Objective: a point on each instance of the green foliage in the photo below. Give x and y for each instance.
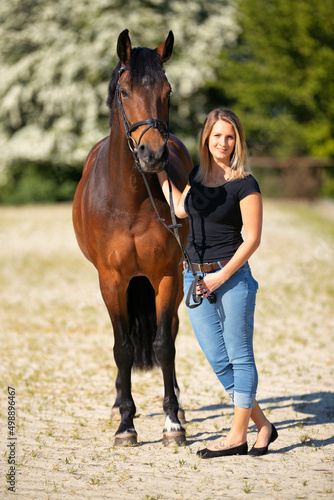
(327, 189)
(31, 183)
(279, 77)
(295, 182)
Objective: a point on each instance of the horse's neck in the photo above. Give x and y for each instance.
(125, 180)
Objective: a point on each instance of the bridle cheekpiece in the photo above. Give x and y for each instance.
(156, 123)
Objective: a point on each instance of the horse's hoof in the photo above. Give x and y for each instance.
(126, 439)
(115, 414)
(174, 438)
(181, 416)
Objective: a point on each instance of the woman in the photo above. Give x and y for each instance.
(220, 198)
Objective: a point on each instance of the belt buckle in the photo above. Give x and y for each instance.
(201, 268)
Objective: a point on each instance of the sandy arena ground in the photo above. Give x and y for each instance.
(56, 351)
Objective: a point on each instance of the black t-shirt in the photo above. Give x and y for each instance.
(215, 218)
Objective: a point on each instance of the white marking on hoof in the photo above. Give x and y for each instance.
(171, 426)
(130, 430)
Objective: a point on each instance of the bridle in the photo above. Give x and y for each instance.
(173, 228)
(156, 123)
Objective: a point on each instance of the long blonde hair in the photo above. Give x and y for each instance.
(239, 156)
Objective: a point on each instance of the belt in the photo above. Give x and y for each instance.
(208, 267)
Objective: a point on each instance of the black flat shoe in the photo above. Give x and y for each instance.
(237, 450)
(258, 452)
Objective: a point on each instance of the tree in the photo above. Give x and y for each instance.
(278, 76)
(56, 60)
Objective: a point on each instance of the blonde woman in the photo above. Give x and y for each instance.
(221, 198)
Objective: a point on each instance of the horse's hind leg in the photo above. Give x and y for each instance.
(115, 412)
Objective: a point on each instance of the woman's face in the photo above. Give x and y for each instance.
(221, 142)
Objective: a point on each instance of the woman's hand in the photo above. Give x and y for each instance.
(209, 284)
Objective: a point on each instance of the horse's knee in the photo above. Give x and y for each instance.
(164, 350)
(124, 354)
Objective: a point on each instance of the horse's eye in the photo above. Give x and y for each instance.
(124, 93)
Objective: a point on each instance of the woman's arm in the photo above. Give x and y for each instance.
(251, 212)
(178, 196)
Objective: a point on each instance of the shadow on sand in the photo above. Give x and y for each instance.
(311, 410)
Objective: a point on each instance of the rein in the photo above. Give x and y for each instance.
(173, 228)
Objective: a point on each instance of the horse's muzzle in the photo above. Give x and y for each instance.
(152, 161)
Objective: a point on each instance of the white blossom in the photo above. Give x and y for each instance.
(57, 57)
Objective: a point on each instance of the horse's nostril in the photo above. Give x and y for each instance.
(144, 153)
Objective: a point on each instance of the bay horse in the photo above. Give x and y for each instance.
(139, 262)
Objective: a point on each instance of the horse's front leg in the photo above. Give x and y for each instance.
(114, 296)
(175, 327)
(164, 349)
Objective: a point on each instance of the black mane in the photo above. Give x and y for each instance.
(144, 64)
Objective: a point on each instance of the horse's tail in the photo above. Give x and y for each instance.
(142, 321)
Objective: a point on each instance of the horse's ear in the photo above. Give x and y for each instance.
(166, 48)
(124, 46)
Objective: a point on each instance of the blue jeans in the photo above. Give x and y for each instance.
(224, 331)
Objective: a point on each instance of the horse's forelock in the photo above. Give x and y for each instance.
(146, 66)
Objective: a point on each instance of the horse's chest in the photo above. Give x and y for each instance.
(137, 240)
(152, 243)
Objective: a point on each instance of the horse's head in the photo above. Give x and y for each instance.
(141, 96)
